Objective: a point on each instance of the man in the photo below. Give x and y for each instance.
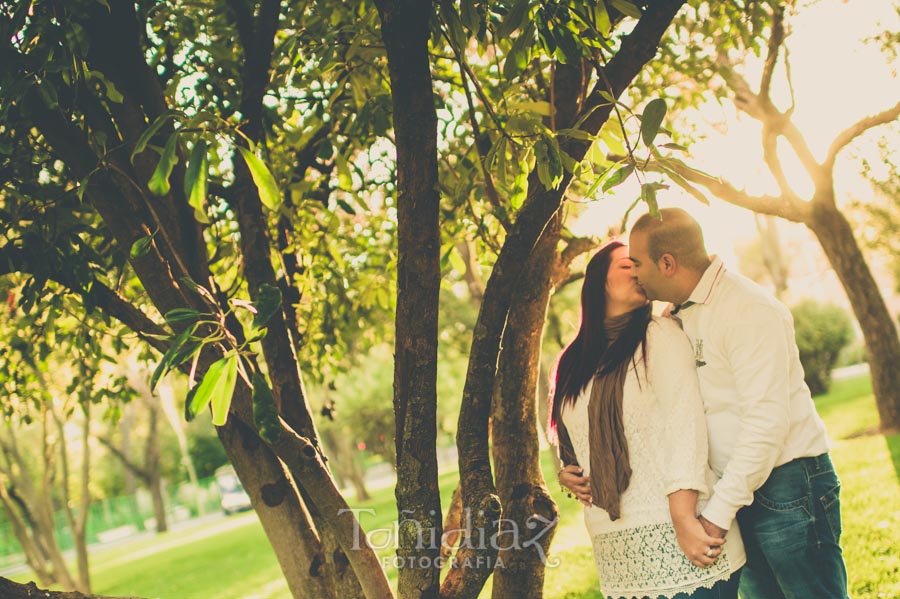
(767, 443)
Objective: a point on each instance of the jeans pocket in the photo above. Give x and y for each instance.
(787, 489)
(830, 503)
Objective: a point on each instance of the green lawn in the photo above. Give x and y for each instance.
(202, 563)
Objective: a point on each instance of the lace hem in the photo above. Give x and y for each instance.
(647, 561)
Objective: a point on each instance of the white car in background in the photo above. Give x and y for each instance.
(234, 497)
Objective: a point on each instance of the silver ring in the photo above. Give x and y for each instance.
(709, 552)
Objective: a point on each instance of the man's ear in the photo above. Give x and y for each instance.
(667, 264)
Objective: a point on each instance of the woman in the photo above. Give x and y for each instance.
(629, 420)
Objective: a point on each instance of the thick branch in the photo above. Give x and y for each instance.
(574, 248)
(776, 39)
(257, 63)
(770, 155)
(856, 129)
(14, 590)
(794, 210)
(14, 259)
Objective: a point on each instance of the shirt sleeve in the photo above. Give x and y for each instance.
(757, 349)
(673, 378)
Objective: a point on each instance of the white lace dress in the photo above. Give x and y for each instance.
(638, 555)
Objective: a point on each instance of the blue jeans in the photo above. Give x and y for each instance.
(792, 534)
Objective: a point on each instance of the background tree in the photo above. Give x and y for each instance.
(41, 413)
(716, 61)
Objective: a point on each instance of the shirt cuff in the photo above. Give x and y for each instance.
(719, 513)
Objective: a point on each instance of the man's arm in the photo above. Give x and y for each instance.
(758, 351)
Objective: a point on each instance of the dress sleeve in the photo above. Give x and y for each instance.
(673, 379)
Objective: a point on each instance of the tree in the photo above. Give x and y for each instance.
(34, 485)
(764, 27)
(196, 173)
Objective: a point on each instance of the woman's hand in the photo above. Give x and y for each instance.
(571, 478)
(700, 548)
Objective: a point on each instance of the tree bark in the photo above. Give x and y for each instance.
(152, 466)
(836, 237)
(405, 30)
(529, 513)
(284, 518)
(14, 590)
(479, 493)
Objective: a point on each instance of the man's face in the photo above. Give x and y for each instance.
(646, 271)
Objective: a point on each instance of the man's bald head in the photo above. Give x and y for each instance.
(677, 234)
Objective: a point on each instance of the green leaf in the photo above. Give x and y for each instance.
(601, 18)
(180, 315)
(513, 19)
(48, 94)
(346, 207)
(168, 358)
(217, 387)
(269, 194)
(517, 57)
(618, 177)
(576, 134)
(268, 301)
(674, 146)
(195, 180)
(454, 26)
(648, 195)
(652, 119)
(265, 412)
(159, 182)
(198, 289)
(626, 8)
(147, 135)
(140, 247)
(542, 108)
(224, 391)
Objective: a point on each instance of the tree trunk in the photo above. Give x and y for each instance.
(479, 494)
(772, 255)
(405, 30)
(34, 556)
(530, 514)
(44, 520)
(152, 466)
(837, 239)
(285, 520)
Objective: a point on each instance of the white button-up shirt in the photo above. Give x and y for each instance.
(759, 412)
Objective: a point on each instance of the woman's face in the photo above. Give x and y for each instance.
(623, 294)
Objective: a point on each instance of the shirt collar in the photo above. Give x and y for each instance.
(711, 277)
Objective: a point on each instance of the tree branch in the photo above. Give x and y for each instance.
(14, 590)
(141, 473)
(856, 129)
(770, 155)
(794, 210)
(13, 259)
(776, 39)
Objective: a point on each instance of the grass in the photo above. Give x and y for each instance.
(206, 562)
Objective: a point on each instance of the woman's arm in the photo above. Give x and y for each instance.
(702, 549)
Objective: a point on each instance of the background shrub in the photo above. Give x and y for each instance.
(822, 330)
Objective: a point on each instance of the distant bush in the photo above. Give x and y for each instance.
(822, 331)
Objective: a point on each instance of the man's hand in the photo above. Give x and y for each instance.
(711, 529)
(701, 548)
(571, 478)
